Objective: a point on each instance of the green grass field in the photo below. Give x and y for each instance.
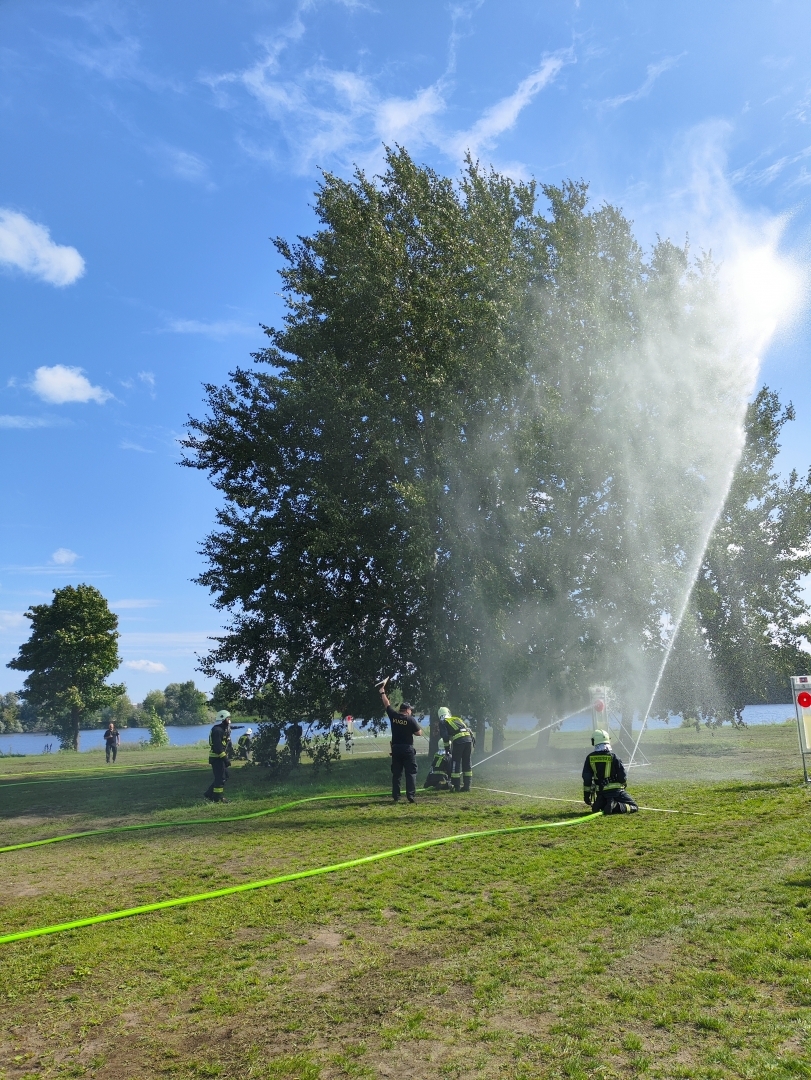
(657, 945)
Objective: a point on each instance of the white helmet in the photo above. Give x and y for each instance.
(248, 731)
(223, 714)
(444, 713)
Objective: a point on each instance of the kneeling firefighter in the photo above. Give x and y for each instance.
(245, 745)
(460, 740)
(604, 779)
(220, 753)
(440, 773)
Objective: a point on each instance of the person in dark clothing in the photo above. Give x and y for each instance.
(294, 736)
(604, 779)
(439, 775)
(403, 755)
(112, 741)
(244, 745)
(220, 752)
(460, 740)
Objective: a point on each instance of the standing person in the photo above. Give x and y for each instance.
(403, 755)
(219, 742)
(604, 779)
(460, 740)
(112, 741)
(293, 737)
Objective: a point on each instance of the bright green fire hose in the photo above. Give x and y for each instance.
(180, 901)
(191, 821)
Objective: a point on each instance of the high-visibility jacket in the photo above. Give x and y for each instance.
(454, 729)
(219, 741)
(603, 771)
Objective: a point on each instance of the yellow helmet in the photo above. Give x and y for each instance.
(444, 713)
(599, 736)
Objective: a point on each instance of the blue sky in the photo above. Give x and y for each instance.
(149, 151)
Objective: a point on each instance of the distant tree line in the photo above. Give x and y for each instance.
(179, 704)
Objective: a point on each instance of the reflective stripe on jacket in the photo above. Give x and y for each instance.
(603, 771)
(453, 728)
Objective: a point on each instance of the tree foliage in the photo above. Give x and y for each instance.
(743, 635)
(72, 650)
(476, 454)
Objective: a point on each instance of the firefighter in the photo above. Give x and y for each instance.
(220, 752)
(403, 755)
(604, 779)
(460, 740)
(439, 775)
(244, 744)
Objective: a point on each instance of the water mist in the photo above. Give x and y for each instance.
(609, 470)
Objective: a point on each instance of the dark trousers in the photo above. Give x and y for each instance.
(111, 748)
(614, 802)
(403, 757)
(216, 790)
(462, 769)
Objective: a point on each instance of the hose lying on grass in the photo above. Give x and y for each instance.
(192, 821)
(232, 890)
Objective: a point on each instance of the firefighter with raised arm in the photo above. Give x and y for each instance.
(604, 778)
(403, 754)
(220, 752)
(460, 740)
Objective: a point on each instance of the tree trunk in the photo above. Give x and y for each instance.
(498, 735)
(75, 716)
(433, 735)
(542, 745)
(481, 731)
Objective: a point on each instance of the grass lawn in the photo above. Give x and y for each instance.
(656, 945)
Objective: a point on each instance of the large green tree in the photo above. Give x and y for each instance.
(747, 627)
(72, 650)
(482, 451)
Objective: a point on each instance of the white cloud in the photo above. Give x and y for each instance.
(127, 445)
(27, 246)
(149, 666)
(147, 378)
(12, 620)
(60, 384)
(186, 165)
(64, 557)
(216, 329)
(503, 115)
(652, 74)
(24, 422)
(403, 120)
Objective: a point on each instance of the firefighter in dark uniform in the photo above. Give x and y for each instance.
(220, 753)
(604, 779)
(245, 745)
(403, 755)
(459, 739)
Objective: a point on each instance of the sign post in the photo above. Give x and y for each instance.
(801, 695)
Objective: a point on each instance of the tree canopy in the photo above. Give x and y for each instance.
(72, 650)
(483, 451)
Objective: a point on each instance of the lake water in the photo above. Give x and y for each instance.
(30, 743)
(27, 743)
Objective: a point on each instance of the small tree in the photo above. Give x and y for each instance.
(73, 648)
(157, 731)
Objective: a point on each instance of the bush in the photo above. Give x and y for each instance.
(322, 750)
(157, 731)
(266, 752)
